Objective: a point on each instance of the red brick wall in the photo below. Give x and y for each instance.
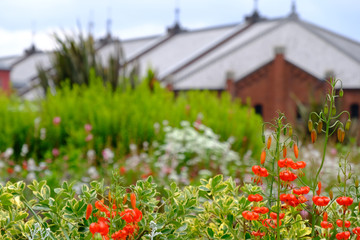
(275, 85)
(5, 81)
(351, 96)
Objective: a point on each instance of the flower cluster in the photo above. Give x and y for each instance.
(102, 226)
(259, 172)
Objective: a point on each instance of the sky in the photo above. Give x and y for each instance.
(23, 22)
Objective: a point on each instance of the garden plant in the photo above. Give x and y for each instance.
(283, 199)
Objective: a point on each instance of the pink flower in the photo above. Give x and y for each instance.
(89, 137)
(88, 127)
(56, 121)
(55, 152)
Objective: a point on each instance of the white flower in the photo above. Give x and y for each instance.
(24, 150)
(42, 133)
(8, 152)
(17, 168)
(91, 154)
(31, 176)
(93, 173)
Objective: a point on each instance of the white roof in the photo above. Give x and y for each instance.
(179, 47)
(9, 61)
(26, 69)
(255, 47)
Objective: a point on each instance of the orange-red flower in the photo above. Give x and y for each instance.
(248, 215)
(345, 201)
(255, 198)
(261, 210)
(321, 201)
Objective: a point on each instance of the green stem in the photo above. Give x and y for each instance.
(314, 216)
(277, 157)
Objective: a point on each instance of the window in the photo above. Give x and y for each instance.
(258, 109)
(354, 110)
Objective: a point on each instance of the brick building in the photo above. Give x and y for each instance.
(273, 62)
(4, 79)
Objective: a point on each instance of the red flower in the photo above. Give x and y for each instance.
(340, 223)
(270, 223)
(273, 215)
(287, 176)
(261, 210)
(88, 211)
(343, 235)
(345, 201)
(258, 234)
(356, 231)
(100, 227)
(250, 215)
(131, 215)
(101, 206)
(259, 172)
(326, 225)
(119, 235)
(255, 198)
(290, 199)
(287, 162)
(301, 191)
(321, 201)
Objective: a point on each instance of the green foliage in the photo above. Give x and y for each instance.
(118, 119)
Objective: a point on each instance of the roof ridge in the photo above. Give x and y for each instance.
(282, 21)
(333, 33)
(307, 26)
(207, 50)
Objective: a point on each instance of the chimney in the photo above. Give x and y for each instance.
(230, 83)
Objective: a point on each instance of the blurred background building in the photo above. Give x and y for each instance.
(272, 64)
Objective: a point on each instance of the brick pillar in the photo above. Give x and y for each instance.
(5, 80)
(230, 83)
(277, 93)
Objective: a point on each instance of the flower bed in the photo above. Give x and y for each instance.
(281, 202)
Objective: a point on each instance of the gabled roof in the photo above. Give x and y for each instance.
(312, 48)
(176, 48)
(25, 70)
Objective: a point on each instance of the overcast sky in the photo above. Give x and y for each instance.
(134, 18)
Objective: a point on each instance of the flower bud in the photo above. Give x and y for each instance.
(285, 130)
(263, 157)
(313, 136)
(109, 196)
(347, 125)
(326, 109)
(269, 142)
(338, 178)
(350, 174)
(319, 126)
(331, 194)
(284, 151)
(263, 138)
(333, 110)
(341, 93)
(296, 150)
(357, 183)
(290, 131)
(310, 125)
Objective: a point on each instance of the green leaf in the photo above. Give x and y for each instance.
(182, 228)
(210, 232)
(5, 199)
